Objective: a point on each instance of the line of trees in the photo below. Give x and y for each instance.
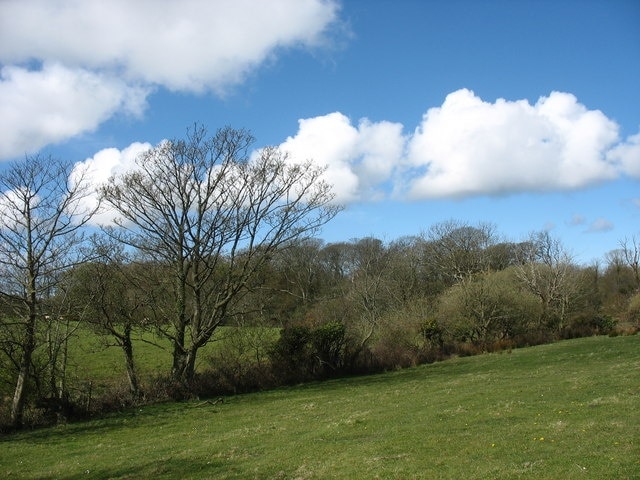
(205, 236)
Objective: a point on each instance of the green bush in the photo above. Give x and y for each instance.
(304, 353)
(329, 343)
(292, 355)
(588, 325)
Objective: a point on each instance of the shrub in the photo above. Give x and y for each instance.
(432, 332)
(329, 342)
(398, 345)
(303, 353)
(633, 310)
(292, 355)
(588, 325)
(240, 363)
(165, 387)
(533, 338)
(624, 330)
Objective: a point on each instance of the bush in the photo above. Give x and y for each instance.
(329, 342)
(624, 330)
(240, 363)
(163, 388)
(226, 379)
(292, 355)
(633, 310)
(432, 332)
(303, 353)
(586, 326)
(398, 345)
(533, 338)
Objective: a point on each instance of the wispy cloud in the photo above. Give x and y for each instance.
(600, 225)
(577, 220)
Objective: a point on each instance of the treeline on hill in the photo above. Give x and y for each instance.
(210, 241)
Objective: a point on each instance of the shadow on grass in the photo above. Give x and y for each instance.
(156, 469)
(131, 417)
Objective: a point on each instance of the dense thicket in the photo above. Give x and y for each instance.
(293, 307)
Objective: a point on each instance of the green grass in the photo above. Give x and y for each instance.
(91, 359)
(569, 410)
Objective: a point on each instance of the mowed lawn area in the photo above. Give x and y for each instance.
(569, 410)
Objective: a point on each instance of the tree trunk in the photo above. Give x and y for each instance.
(19, 395)
(132, 376)
(179, 351)
(184, 365)
(191, 365)
(179, 360)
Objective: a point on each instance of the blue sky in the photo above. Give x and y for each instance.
(521, 113)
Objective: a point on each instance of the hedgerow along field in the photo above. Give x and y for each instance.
(567, 410)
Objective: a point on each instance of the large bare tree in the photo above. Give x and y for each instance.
(456, 250)
(203, 208)
(547, 270)
(42, 212)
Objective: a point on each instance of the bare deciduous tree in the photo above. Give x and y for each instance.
(299, 264)
(370, 287)
(42, 211)
(546, 268)
(630, 251)
(456, 250)
(203, 207)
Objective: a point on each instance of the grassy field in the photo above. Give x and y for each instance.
(91, 360)
(569, 410)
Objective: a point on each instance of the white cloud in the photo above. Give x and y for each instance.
(627, 155)
(600, 224)
(60, 59)
(358, 159)
(50, 105)
(469, 146)
(13, 203)
(100, 168)
(187, 45)
(465, 147)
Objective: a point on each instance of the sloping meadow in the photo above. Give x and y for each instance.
(566, 410)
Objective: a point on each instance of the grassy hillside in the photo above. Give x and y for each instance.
(569, 410)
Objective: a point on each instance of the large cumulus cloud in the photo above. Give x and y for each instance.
(468, 146)
(191, 45)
